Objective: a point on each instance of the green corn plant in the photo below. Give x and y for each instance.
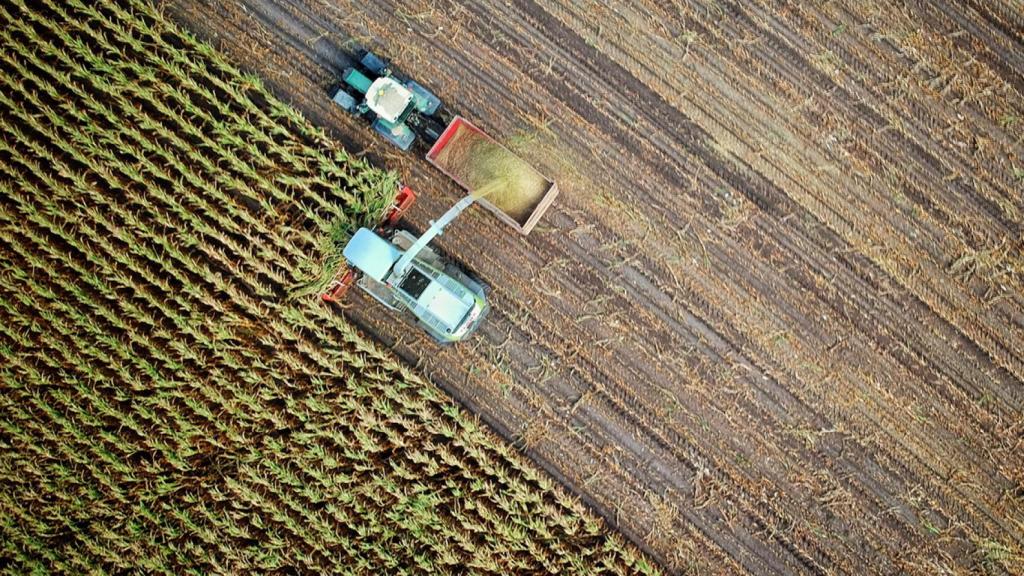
(186, 321)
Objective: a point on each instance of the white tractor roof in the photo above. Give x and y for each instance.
(387, 98)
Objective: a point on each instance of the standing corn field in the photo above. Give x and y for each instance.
(775, 324)
(167, 404)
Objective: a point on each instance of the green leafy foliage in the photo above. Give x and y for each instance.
(167, 405)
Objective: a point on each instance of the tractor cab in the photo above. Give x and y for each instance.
(389, 100)
(400, 109)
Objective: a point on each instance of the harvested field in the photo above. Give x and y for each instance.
(166, 404)
(774, 323)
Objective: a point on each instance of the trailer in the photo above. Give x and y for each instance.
(516, 192)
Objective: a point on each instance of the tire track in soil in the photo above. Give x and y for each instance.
(602, 430)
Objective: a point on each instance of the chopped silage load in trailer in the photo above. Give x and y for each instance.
(499, 179)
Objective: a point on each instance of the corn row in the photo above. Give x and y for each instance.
(167, 406)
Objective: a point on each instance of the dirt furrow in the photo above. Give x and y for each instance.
(742, 326)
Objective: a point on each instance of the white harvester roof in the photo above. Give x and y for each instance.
(371, 254)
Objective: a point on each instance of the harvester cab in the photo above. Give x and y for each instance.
(402, 272)
(399, 109)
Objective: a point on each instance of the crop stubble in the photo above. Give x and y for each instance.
(774, 322)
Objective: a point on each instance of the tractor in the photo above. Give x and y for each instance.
(398, 108)
(394, 266)
(403, 273)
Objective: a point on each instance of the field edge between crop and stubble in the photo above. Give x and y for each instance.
(169, 404)
(743, 181)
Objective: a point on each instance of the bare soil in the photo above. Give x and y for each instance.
(774, 323)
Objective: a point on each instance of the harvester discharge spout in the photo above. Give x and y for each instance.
(436, 228)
